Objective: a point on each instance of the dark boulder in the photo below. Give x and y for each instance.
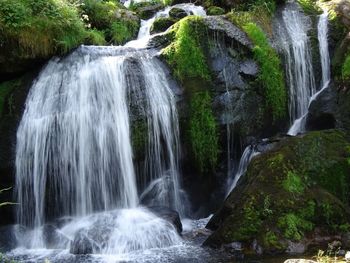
(8, 238)
(161, 24)
(169, 215)
(177, 13)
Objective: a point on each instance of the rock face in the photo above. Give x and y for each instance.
(81, 244)
(293, 197)
(331, 109)
(12, 110)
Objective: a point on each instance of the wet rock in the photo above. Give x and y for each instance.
(177, 13)
(8, 238)
(296, 247)
(53, 238)
(81, 244)
(147, 9)
(331, 109)
(169, 215)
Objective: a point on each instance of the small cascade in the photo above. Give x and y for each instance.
(248, 154)
(296, 47)
(298, 60)
(145, 29)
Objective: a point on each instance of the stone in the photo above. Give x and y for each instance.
(169, 215)
(177, 13)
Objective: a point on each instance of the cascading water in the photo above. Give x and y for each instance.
(298, 60)
(248, 154)
(300, 76)
(74, 156)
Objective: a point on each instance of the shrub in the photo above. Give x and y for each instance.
(122, 31)
(310, 7)
(42, 28)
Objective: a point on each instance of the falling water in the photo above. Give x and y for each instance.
(248, 153)
(296, 46)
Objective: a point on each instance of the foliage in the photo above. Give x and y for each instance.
(293, 226)
(41, 28)
(293, 183)
(346, 68)
(215, 11)
(259, 12)
(185, 54)
(122, 31)
(310, 7)
(118, 24)
(271, 74)
(203, 132)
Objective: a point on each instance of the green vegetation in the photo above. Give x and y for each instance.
(310, 7)
(5, 90)
(293, 227)
(293, 183)
(215, 11)
(41, 28)
(109, 17)
(346, 68)
(185, 54)
(203, 132)
(271, 74)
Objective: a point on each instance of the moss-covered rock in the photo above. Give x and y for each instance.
(161, 24)
(146, 10)
(177, 13)
(215, 11)
(295, 192)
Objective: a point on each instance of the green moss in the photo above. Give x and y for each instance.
(271, 73)
(215, 11)
(293, 183)
(310, 7)
(271, 241)
(139, 137)
(5, 89)
(293, 227)
(203, 132)
(185, 54)
(346, 68)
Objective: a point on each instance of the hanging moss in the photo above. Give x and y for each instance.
(185, 54)
(271, 73)
(310, 7)
(203, 132)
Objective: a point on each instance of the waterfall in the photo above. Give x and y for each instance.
(74, 153)
(298, 60)
(248, 154)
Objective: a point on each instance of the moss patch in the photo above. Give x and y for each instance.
(185, 54)
(271, 73)
(346, 68)
(215, 11)
(203, 132)
(310, 7)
